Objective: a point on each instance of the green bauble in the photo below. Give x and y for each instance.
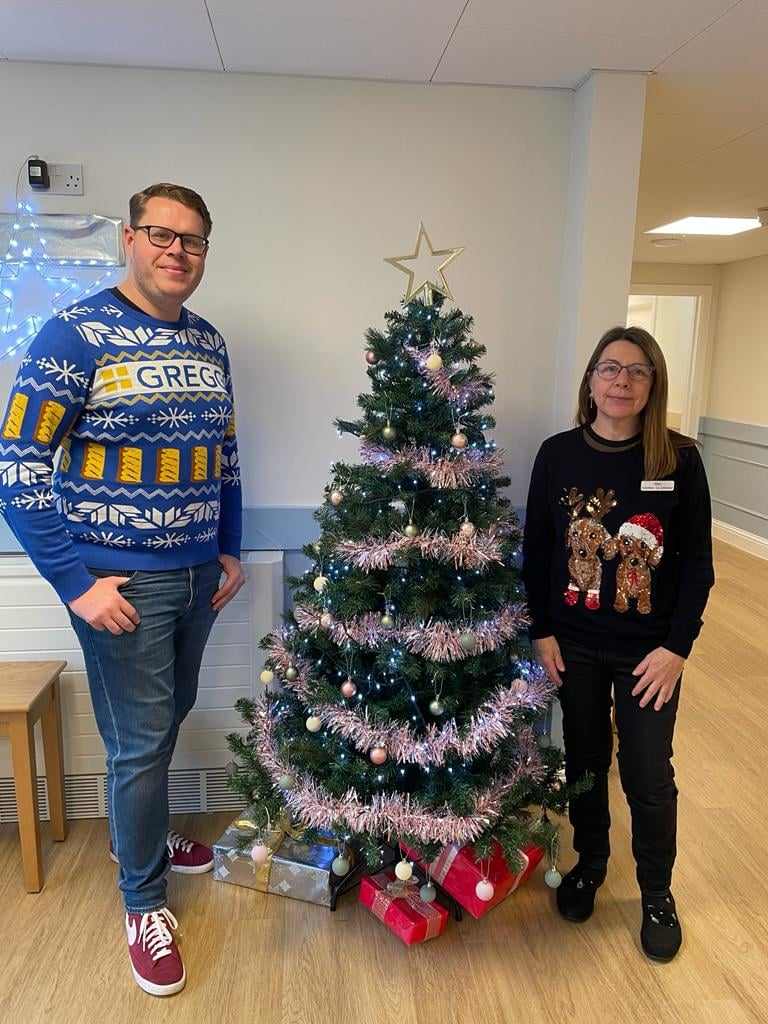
(467, 642)
(389, 433)
(412, 530)
(286, 781)
(291, 673)
(436, 708)
(340, 866)
(387, 621)
(428, 893)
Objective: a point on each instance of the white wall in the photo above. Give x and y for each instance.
(739, 381)
(311, 183)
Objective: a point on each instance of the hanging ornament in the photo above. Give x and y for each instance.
(340, 866)
(291, 673)
(326, 620)
(403, 870)
(459, 440)
(467, 641)
(389, 433)
(434, 362)
(259, 853)
(552, 878)
(428, 893)
(484, 890)
(387, 621)
(336, 498)
(314, 724)
(412, 530)
(378, 755)
(316, 547)
(348, 688)
(286, 781)
(320, 583)
(436, 708)
(370, 357)
(267, 676)
(467, 528)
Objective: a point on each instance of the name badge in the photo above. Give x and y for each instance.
(657, 485)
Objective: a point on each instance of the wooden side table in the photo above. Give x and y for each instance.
(29, 690)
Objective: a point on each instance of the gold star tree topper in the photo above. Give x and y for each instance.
(426, 271)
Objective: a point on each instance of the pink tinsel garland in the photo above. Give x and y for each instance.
(466, 552)
(437, 641)
(390, 814)
(440, 382)
(493, 721)
(448, 472)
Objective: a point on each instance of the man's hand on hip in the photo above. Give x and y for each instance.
(104, 607)
(234, 581)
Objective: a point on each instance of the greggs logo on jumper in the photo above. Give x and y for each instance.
(149, 376)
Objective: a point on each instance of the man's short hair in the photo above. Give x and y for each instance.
(186, 196)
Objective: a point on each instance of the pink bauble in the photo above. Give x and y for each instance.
(348, 688)
(259, 853)
(336, 498)
(378, 755)
(484, 890)
(467, 528)
(518, 687)
(326, 620)
(371, 358)
(459, 440)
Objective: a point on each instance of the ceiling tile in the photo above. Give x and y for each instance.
(398, 40)
(171, 34)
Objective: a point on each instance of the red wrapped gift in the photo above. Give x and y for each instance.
(458, 871)
(399, 906)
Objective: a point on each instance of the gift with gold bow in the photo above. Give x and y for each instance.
(278, 858)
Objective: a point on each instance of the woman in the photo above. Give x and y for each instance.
(618, 568)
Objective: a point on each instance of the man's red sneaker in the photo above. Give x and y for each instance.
(155, 958)
(186, 856)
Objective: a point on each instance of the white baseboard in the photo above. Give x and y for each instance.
(742, 539)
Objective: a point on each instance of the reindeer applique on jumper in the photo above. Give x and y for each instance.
(585, 538)
(640, 545)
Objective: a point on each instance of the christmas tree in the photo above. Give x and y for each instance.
(401, 703)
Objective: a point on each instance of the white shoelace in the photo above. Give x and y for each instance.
(177, 842)
(154, 932)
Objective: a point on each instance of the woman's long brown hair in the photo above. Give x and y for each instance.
(660, 444)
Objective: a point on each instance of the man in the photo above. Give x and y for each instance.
(135, 528)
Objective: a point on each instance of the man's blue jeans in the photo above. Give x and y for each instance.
(143, 685)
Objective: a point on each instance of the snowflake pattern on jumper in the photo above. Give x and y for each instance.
(123, 429)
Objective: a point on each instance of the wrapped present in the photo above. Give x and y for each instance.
(398, 905)
(459, 871)
(292, 867)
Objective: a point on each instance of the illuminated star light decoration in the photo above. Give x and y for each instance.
(427, 271)
(35, 286)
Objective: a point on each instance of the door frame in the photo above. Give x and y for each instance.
(701, 350)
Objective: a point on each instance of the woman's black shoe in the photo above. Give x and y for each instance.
(661, 934)
(576, 893)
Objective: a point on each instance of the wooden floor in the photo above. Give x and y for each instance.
(262, 958)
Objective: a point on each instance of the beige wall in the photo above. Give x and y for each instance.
(675, 273)
(739, 380)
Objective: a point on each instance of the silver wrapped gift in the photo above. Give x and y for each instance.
(294, 868)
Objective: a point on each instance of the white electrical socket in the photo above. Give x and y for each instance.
(66, 179)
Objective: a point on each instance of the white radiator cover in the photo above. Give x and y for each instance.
(34, 626)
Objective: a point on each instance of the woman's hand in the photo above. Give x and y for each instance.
(659, 673)
(547, 651)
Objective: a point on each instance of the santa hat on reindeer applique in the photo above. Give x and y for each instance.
(645, 527)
